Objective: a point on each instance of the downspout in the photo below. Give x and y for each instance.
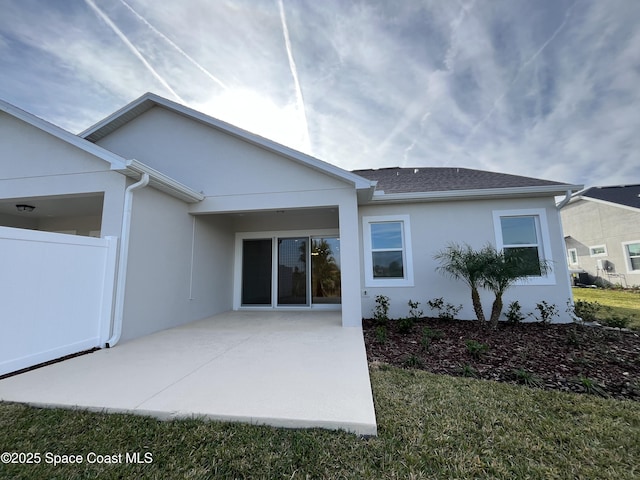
(123, 258)
(565, 200)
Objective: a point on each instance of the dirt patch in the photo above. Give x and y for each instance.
(566, 357)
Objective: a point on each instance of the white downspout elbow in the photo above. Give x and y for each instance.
(122, 259)
(565, 200)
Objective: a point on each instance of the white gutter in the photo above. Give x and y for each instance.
(465, 194)
(123, 257)
(135, 169)
(565, 200)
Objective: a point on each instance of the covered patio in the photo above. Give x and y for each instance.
(288, 369)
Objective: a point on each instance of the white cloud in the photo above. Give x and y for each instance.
(509, 85)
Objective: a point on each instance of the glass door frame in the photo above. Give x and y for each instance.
(275, 236)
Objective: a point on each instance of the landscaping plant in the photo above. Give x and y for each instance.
(494, 270)
(381, 334)
(405, 325)
(505, 269)
(461, 262)
(446, 311)
(547, 311)
(586, 311)
(526, 378)
(514, 312)
(381, 310)
(617, 321)
(414, 311)
(476, 349)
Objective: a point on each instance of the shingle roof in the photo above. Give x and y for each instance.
(439, 179)
(628, 195)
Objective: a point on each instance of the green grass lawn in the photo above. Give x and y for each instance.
(430, 426)
(622, 302)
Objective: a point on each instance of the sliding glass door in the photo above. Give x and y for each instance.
(305, 270)
(292, 271)
(256, 272)
(325, 270)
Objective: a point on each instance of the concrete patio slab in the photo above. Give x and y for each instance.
(290, 369)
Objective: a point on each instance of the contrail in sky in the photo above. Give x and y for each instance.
(515, 78)
(170, 42)
(413, 110)
(294, 72)
(132, 47)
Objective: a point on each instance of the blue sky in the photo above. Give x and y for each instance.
(545, 88)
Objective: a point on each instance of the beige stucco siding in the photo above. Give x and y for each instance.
(587, 223)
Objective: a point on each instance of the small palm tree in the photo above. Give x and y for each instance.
(503, 270)
(489, 268)
(464, 263)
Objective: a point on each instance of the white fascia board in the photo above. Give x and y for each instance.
(546, 190)
(115, 115)
(162, 182)
(116, 161)
(605, 202)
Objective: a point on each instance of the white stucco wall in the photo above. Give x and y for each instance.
(237, 176)
(208, 160)
(176, 273)
(591, 223)
(434, 225)
(83, 225)
(35, 164)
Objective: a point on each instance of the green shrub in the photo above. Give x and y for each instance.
(428, 336)
(591, 386)
(546, 311)
(467, 370)
(616, 321)
(586, 311)
(381, 310)
(446, 311)
(381, 334)
(514, 312)
(413, 361)
(405, 325)
(572, 339)
(526, 378)
(434, 334)
(414, 311)
(476, 349)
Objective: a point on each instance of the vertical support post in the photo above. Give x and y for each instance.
(350, 261)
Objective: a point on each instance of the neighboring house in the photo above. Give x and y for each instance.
(602, 233)
(210, 218)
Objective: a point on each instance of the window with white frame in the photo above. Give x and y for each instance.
(598, 251)
(387, 245)
(572, 255)
(525, 233)
(632, 255)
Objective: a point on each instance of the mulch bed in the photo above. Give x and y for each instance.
(566, 357)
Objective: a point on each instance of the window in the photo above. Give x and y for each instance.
(572, 255)
(525, 234)
(598, 251)
(632, 255)
(387, 251)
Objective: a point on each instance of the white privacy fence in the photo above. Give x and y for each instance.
(56, 295)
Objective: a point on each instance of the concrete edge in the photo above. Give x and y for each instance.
(360, 429)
